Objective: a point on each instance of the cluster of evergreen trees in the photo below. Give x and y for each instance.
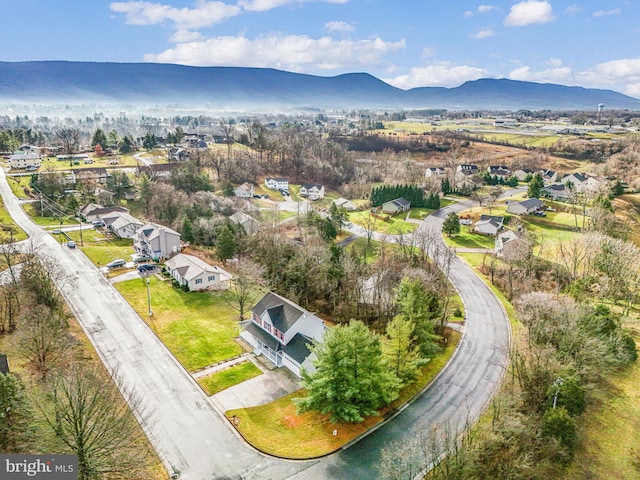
(411, 193)
(489, 179)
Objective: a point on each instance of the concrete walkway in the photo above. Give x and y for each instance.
(222, 365)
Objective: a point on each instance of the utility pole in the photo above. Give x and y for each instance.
(149, 296)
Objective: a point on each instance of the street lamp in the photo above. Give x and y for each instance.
(557, 384)
(149, 296)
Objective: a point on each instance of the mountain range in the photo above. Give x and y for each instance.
(263, 89)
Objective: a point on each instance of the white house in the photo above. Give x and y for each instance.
(197, 274)
(581, 181)
(156, 241)
(348, 205)
(121, 224)
(276, 183)
(244, 191)
(488, 225)
(523, 173)
(525, 207)
(282, 331)
(93, 211)
(435, 172)
(557, 191)
(395, 206)
(25, 160)
(247, 222)
(502, 239)
(313, 191)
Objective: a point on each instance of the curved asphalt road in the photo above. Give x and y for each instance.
(193, 439)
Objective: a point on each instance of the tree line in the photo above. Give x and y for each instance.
(411, 193)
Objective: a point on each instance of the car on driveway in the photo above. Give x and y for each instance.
(116, 263)
(138, 258)
(146, 268)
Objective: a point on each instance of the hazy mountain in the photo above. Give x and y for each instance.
(261, 88)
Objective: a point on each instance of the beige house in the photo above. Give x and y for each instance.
(196, 274)
(244, 191)
(395, 206)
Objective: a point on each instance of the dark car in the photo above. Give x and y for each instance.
(146, 268)
(116, 263)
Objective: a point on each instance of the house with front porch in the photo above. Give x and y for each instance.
(121, 224)
(489, 225)
(156, 241)
(525, 207)
(283, 331)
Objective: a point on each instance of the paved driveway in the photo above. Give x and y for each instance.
(259, 390)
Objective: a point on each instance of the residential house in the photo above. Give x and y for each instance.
(4, 364)
(159, 170)
(93, 211)
(313, 191)
(463, 178)
(276, 183)
(499, 171)
(244, 191)
(178, 154)
(549, 176)
(396, 206)
(523, 174)
(348, 205)
(502, 239)
(467, 169)
(489, 225)
(247, 222)
(25, 160)
(97, 174)
(121, 224)
(156, 241)
(436, 172)
(525, 207)
(29, 149)
(131, 195)
(282, 331)
(195, 274)
(557, 191)
(104, 197)
(581, 182)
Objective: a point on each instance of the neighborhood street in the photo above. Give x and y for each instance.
(192, 437)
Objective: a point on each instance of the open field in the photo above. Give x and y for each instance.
(394, 226)
(198, 327)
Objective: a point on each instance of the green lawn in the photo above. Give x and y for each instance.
(229, 377)
(466, 239)
(8, 229)
(198, 328)
(394, 226)
(19, 184)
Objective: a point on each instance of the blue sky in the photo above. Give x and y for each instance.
(407, 43)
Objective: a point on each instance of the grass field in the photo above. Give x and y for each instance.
(278, 429)
(224, 379)
(19, 184)
(8, 229)
(198, 327)
(396, 225)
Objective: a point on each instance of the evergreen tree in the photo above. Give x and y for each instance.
(535, 186)
(187, 230)
(445, 186)
(400, 349)
(226, 244)
(14, 415)
(352, 379)
(421, 307)
(451, 225)
(99, 138)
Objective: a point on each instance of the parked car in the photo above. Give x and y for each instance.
(119, 262)
(146, 268)
(98, 223)
(71, 244)
(31, 168)
(139, 257)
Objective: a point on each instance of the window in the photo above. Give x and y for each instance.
(211, 278)
(198, 281)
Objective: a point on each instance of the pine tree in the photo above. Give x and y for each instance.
(401, 350)
(451, 225)
(352, 380)
(535, 186)
(226, 244)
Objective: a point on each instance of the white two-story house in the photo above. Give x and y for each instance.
(276, 183)
(282, 331)
(156, 241)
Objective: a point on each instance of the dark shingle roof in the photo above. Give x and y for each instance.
(261, 335)
(297, 348)
(531, 202)
(282, 312)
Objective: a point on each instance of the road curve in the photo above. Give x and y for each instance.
(191, 436)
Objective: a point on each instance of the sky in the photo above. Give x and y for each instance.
(406, 43)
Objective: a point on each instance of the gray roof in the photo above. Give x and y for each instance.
(261, 335)
(283, 313)
(297, 348)
(532, 202)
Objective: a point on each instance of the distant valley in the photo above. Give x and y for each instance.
(260, 89)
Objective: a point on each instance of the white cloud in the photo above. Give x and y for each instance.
(633, 90)
(482, 34)
(264, 5)
(182, 36)
(479, 10)
(529, 12)
(605, 13)
(291, 52)
(440, 74)
(550, 75)
(554, 62)
(338, 26)
(147, 13)
(573, 9)
(624, 71)
(427, 52)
